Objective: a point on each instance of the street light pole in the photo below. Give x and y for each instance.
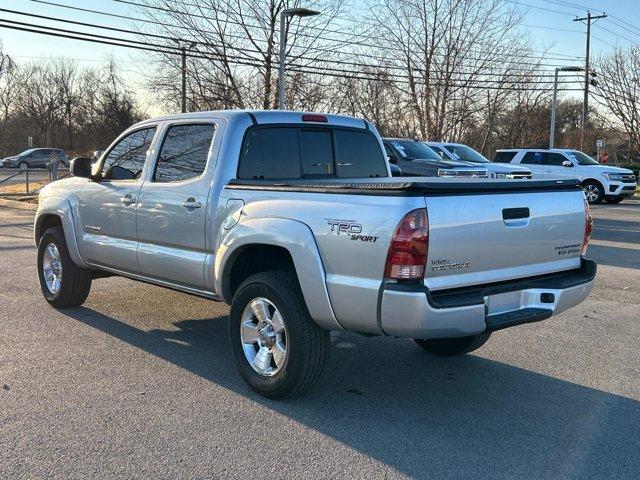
(183, 52)
(289, 12)
(554, 104)
(183, 71)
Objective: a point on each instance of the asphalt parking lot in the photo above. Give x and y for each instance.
(139, 382)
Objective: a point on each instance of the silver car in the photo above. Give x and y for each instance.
(36, 157)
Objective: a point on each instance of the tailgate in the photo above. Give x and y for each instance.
(482, 238)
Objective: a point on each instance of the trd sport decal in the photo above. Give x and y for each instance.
(349, 228)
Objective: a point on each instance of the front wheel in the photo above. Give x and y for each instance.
(593, 192)
(23, 166)
(63, 283)
(613, 199)
(278, 348)
(454, 346)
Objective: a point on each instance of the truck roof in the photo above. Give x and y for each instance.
(267, 116)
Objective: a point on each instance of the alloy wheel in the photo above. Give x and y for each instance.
(592, 192)
(263, 334)
(52, 268)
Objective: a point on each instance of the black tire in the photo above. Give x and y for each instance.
(613, 200)
(23, 166)
(75, 282)
(454, 346)
(307, 344)
(591, 188)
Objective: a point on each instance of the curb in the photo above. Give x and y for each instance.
(5, 202)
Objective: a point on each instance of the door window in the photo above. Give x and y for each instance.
(126, 160)
(553, 159)
(184, 152)
(504, 157)
(532, 158)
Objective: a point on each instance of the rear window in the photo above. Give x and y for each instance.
(359, 155)
(270, 153)
(317, 153)
(299, 152)
(503, 157)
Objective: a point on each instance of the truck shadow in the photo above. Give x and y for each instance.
(422, 415)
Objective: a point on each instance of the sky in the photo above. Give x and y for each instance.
(549, 23)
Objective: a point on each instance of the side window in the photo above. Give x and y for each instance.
(554, 159)
(270, 153)
(390, 153)
(126, 159)
(503, 157)
(532, 158)
(359, 155)
(317, 152)
(439, 151)
(184, 152)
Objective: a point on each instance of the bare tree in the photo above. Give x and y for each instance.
(233, 49)
(619, 90)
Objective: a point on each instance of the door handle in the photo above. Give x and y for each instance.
(191, 204)
(127, 199)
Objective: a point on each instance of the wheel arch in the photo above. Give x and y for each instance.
(268, 243)
(56, 211)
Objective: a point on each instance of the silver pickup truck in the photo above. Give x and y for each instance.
(294, 220)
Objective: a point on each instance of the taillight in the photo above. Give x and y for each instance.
(588, 227)
(408, 250)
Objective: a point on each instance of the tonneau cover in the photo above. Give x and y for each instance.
(406, 186)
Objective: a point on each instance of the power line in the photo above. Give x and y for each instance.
(313, 70)
(538, 7)
(326, 50)
(178, 40)
(178, 50)
(179, 12)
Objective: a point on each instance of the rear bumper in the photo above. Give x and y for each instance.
(411, 311)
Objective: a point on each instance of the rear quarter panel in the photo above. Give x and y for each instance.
(352, 233)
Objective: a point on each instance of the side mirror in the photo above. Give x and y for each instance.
(81, 167)
(395, 170)
(567, 163)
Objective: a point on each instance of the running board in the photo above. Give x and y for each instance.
(516, 317)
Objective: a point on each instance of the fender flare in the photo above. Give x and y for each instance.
(297, 238)
(61, 208)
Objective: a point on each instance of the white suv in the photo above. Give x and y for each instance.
(600, 182)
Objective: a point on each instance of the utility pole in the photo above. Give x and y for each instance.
(183, 51)
(587, 74)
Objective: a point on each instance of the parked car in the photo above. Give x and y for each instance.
(600, 182)
(414, 158)
(294, 220)
(36, 157)
(460, 152)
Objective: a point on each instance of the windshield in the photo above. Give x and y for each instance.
(582, 158)
(27, 152)
(465, 153)
(411, 149)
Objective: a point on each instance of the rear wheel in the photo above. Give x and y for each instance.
(278, 348)
(63, 283)
(613, 199)
(593, 191)
(454, 346)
